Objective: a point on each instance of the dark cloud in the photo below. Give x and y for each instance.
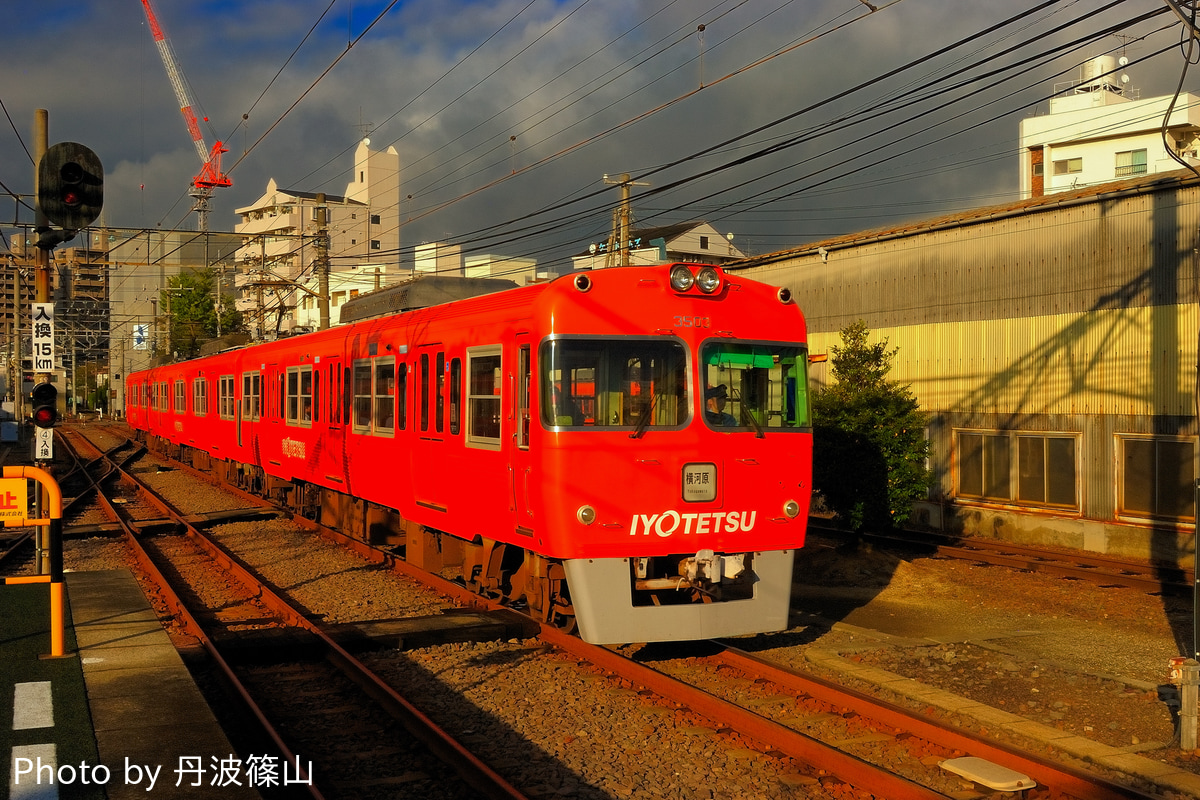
(95, 67)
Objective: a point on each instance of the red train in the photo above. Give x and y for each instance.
(628, 448)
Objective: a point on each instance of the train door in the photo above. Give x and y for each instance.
(249, 407)
(332, 408)
(523, 480)
(273, 399)
(428, 452)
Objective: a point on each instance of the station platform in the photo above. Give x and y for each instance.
(119, 716)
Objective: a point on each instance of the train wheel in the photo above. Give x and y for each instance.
(559, 611)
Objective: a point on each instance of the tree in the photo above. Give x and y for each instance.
(192, 312)
(869, 445)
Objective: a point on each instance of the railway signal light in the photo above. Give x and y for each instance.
(70, 185)
(45, 405)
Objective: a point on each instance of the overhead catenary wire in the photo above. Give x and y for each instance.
(566, 219)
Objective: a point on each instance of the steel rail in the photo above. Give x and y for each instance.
(809, 750)
(470, 767)
(1093, 568)
(172, 600)
(18, 541)
(1057, 776)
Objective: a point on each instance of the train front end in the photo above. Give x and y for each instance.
(677, 447)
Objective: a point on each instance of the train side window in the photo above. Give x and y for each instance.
(199, 396)
(299, 401)
(455, 394)
(524, 373)
(315, 396)
(483, 399)
(226, 402)
(180, 397)
(251, 392)
(334, 388)
(362, 398)
(384, 419)
(424, 392)
(402, 397)
(439, 389)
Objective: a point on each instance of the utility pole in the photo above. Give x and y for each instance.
(619, 238)
(322, 261)
(41, 255)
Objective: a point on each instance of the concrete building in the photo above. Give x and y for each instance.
(1097, 132)
(343, 286)
(438, 258)
(279, 237)
(140, 265)
(520, 270)
(697, 242)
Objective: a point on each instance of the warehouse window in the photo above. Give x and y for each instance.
(251, 390)
(483, 398)
(1033, 469)
(1131, 162)
(1068, 166)
(1157, 476)
(226, 402)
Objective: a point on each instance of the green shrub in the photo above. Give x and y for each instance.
(869, 445)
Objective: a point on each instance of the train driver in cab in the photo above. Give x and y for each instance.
(716, 398)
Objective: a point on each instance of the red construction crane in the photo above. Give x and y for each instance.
(210, 174)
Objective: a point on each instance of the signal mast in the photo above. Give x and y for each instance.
(210, 174)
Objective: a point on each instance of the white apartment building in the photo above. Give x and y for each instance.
(343, 286)
(279, 238)
(695, 241)
(1097, 132)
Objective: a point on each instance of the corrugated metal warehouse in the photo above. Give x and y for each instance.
(1053, 344)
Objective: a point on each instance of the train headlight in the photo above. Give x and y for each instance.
(586, 515)
(681, 278)
(708, 280)
(791, 509)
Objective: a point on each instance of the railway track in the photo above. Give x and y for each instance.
(842, 741)
(195, 565)
(1097, 569)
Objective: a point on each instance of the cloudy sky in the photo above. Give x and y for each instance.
(779, 121)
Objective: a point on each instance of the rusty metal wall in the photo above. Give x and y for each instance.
(1076, 317)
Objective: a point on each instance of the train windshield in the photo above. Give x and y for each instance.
(614, 383)
(755, 386)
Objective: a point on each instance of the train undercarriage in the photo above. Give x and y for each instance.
(629, 599)
(499, 571)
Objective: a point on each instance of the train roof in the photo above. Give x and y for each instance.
(421, 291)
